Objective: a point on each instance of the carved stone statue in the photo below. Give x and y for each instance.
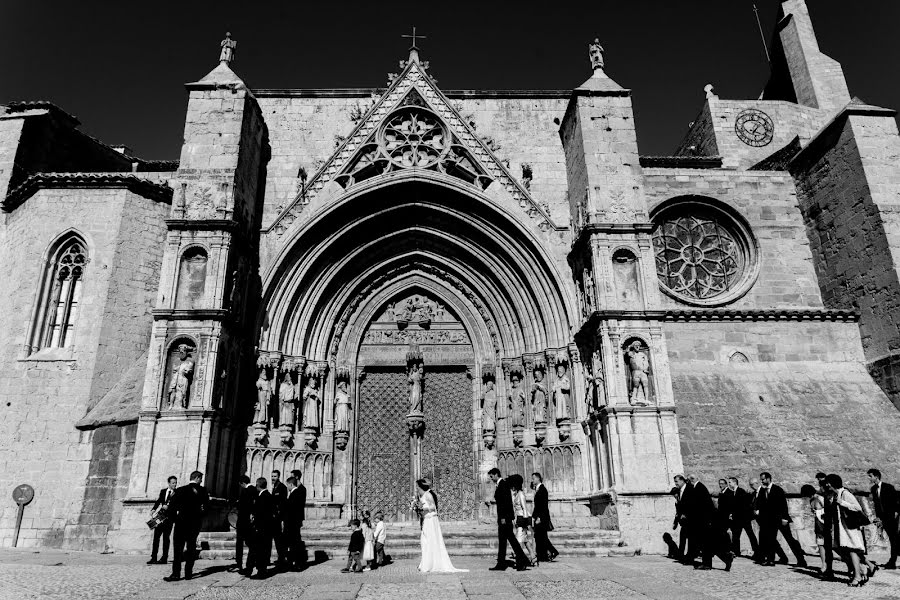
(539, 396)
(311, 400)
(416, 373)
(639, 364)
(228, 46)
(590, 295)
(595, 51)
(182, 376)
(342, 408)
(597, 384)
(263, 397)
(561, 390)
(287, 396)
(517, 400)
(489, 407)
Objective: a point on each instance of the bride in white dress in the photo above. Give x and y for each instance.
(434, 554)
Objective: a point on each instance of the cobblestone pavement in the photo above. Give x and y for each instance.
(57, 575)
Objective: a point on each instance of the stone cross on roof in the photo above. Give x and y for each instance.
(414, 50)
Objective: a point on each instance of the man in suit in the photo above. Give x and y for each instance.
(706, 529)
(542, 523)
(264, 522)
(301, 501)
(736, 514)
(292, 519)
(505, 521)
(189, 503)
(772, 509)
(164, 529)
(279, 495)
(887, 512)
(244, 527)
(686, 549)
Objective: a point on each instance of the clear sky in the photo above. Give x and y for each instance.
(119, 66)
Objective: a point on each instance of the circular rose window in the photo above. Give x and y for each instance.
(413, 137)
(704, 255)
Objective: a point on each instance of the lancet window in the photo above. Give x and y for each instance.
(64, 298)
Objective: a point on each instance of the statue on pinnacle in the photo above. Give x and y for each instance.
(595, 50)
(228, 46)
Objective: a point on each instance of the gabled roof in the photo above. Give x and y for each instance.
(414, 80)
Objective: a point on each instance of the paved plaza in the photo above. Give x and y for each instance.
(50, 574)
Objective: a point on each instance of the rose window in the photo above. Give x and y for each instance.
(702, 254)
(414, 138)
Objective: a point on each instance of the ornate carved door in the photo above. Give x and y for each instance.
(382, 475)
(447, 449)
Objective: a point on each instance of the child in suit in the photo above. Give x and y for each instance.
(354, 550)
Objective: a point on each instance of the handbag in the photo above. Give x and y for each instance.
(523, 521)
(854, 519)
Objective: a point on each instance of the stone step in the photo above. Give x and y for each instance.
(413, 535)
(453, 543)
(396, 554)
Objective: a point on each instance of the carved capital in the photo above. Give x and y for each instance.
(574, 353)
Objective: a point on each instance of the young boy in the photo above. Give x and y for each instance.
(354, 551)
(380, 535)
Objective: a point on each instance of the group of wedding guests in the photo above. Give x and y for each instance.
(366, 549)
(714, 529)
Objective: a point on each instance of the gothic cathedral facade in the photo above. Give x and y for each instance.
(372, 286)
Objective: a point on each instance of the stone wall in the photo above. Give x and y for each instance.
(767, 201)
(847, 192)
(43, 396)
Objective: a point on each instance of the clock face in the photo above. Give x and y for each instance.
(754, 127)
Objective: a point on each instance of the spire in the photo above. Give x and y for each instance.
(599, 81)
(222, 74)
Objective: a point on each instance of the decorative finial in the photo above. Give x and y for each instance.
(710, 94)
(413, 49)
(595, 50)
(228, 46)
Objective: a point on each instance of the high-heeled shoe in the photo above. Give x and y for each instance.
(855, 583)
(872, 570)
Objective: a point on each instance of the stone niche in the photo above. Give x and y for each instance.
(191, 278)
(181, 370)
(626, 279)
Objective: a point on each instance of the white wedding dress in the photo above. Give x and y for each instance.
(434, 553)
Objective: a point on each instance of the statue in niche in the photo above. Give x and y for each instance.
(263, 397)
(228, 46)
(639, 365)
(561, 391)
(342, 408)
(589, 293)
(416, 375)
(311, 400)
(595, 51)
(287, 397)
(597, 384)
(489, 411)
(179, 393)
(517, 400)
(539, 396)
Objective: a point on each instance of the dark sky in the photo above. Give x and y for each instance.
(120, 66)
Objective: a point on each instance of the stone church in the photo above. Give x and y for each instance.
(373, 285)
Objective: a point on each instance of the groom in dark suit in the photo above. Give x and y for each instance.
(542, 522)
(505, 521)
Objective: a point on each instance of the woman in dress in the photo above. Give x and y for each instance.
(434, 553)
(368, 554)
(817, 506)
(848, 541)
(524, 528)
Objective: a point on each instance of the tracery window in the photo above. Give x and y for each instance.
(703, 254)
(65, 295)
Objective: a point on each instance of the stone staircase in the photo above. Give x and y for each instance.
(328, 540)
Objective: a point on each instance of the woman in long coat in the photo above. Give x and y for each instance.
(846, 540)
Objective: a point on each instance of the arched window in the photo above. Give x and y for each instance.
(62, 303)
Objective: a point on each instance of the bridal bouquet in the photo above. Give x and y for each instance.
(415, 505)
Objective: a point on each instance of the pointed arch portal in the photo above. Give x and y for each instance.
(412, 258)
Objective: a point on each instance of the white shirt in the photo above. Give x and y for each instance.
(380, 534)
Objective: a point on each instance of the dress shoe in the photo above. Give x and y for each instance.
(728, 561)
(828, 575)
(188, 576)
(703, 568)
(783, 560)
(521, 566)
(767, 563)
(152, 561)
(889, 565)
(171, 578)
(498, 568)
(801, 564)
(553, 556)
